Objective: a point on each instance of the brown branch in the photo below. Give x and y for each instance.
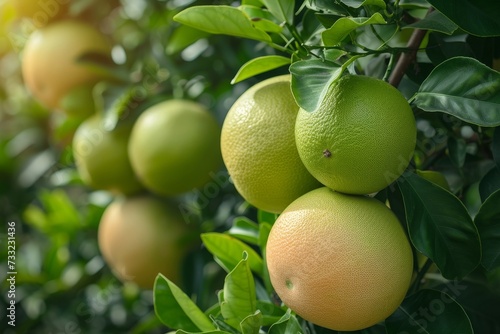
(407, 57)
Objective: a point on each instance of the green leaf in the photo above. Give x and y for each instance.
(252, 323)
(245, 229)
(182, 37)
(180, 331)
(283, 10)
(362, 3)
(457, 151)
(259, 65)
(475, 17)
(239, 299)
(270, 312)
(479, 301)
(488, 223)
(462, 87)
(287, 324)
(489, 183)
(435, 21)
(262, 19)
(345, 25)
(176, 310)
(266, 217)
(227, 251)
(264, 230)
(495, 146)
(311, 80)
(429, 311)
(224, 20)
(440, 227)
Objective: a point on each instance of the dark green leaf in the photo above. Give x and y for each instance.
(311, 80)
(259, 65)
(479, 301)
(440, 48)
(375, 329)
(345, 25)
(435, 21)
(489, 183)
(495, 146)
(462, 87)
(440, 226)
(478, 17)
(286, 325)
(362, 3)
(488, 223)
(224, 20)
(176, 310)
(457, 151)
(429, 312)
(227, 251)
(283, 10)
(327, 6)
(239, 299)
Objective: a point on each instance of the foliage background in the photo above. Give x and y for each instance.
(63, 286)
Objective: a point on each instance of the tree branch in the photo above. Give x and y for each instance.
(407, 57)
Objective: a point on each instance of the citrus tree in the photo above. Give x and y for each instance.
(441, 59)
(359, 189)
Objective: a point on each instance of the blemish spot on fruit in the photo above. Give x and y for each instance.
(327, 153)
(289, 284)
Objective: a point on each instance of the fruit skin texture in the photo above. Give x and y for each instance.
(340, 261)
(174, 147)
(258, 146)
(49, 62)
(101, 157)
(142, 236)
(360, 139)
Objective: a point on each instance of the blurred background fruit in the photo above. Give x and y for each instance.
(174, 147)
(142, 236)
(51, 63)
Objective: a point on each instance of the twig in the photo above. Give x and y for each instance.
(407, 57)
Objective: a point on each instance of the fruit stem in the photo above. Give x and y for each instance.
(409, 56)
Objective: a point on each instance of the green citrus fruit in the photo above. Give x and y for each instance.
(101, 156)
(140, 237)
(258, 146)
(174, 147)
(50, 59)
(360, 139)
(340, 261)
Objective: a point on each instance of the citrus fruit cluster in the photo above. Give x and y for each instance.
(335, 256)
(171, 148)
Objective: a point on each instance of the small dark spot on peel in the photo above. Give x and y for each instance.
(327, 153)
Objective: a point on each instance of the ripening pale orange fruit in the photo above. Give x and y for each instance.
(258, 146)
(50, 65)
(360, 139)
(142, 236)
(340, 261)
